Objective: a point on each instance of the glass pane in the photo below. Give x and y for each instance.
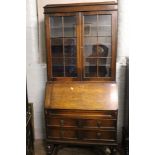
(70, 47)
(97, 45)
(90, 62)
(71, 71)
(57, 47)
(70, 61)
(70, 67)
(105, 43)
(58, 67)
(90, 25)
(104, 31)
(90, 71)
(69, 26)
(56, 26)
(102, 71)
(58, 71)
(104, 20)
(104, 25)
(90, 67)
(104, 61)
(89, 43)
(63, 46)
(57, 61)
(104, 65)
(104, 40)
(102, 50)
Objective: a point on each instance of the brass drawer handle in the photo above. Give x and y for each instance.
(98, 135)
(62, 122)
(79, 123)
(99, 124)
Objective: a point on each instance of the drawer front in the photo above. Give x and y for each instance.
(111, 123)
(84, 135)
(81, 123)
(61, 122)
(100, 135)
(57, 133)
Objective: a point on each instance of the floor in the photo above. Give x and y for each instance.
(40, 150)
(39, 147)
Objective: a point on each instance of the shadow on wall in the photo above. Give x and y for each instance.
(42, 45)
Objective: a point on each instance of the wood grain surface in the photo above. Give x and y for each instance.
(82, 95)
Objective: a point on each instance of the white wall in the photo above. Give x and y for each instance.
(36, 72)
(36, 58)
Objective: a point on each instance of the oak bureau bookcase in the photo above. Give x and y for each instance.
(81, 99)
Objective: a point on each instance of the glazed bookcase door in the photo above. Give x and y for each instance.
(81, 46)
(99, 45)
(62, 40)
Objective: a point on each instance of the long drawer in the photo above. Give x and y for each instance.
(88, 135)
(84, 119)
(81, 123)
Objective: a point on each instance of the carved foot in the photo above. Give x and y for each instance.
(110, 150)
(107, 151)
(114, 151)
(49, 149)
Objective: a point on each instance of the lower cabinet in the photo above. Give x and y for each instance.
(81, 113)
